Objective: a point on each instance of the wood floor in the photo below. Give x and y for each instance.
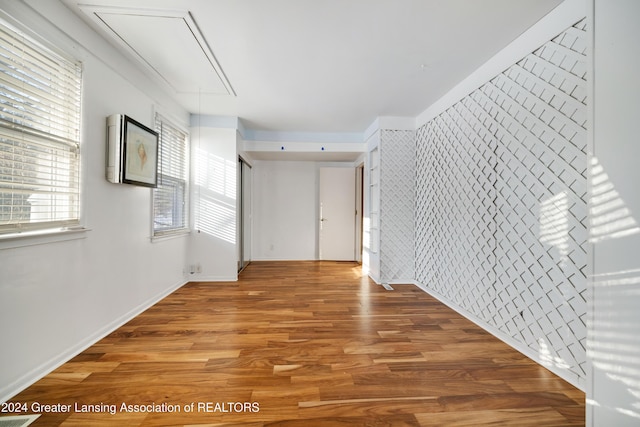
(302, 344)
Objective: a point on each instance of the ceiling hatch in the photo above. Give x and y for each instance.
(169, 44)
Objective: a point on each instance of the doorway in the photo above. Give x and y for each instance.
(337, 225)
(359, 212)
(244, 214)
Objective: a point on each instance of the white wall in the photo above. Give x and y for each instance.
(214, 189)
(613, 350)
(285, 209)
(57, 298)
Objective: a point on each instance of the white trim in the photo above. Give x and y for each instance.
(319, 137)
(403, 282)
(200, 279)
(241, 129)
(371, 130)
(566, 375)
(10, 390)
(391, 123)
(183, 232)
(303, 147)
(589, 269)
(209, 121)
(41, 237)
(566, 14)
(22, 420)
(277, 137)
(375, 278)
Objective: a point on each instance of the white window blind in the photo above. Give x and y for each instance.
(40, 95)
(171, 197)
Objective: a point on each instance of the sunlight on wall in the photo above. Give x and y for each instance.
(366, 239)
(215, 181)
(216, 219)
(215, 174)
(614, 341)
(609, 216)
(366, 234)
(548, 359)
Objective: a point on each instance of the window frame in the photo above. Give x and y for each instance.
(179, 184)
(43, 137)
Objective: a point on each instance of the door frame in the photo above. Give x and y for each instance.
(343, 209)
(359, 245)
(242, 225)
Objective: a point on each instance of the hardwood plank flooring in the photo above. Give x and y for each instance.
(303, 344)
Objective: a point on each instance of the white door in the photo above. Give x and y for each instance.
(337, 214)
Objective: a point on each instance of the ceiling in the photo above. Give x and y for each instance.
(312, 66)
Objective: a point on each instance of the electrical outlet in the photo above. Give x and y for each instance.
(198, 268)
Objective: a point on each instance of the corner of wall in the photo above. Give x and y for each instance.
(214, 168)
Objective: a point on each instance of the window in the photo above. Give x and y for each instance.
(40, 95)
(171, 197)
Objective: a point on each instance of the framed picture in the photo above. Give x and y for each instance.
(140, 154)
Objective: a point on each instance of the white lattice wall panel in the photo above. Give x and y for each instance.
(397, 173)
(501, 203)
(455, 211)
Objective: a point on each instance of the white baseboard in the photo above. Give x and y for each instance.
(10, 390)
(393, 282)
(200, 279)
(566, 375)
(403, 282)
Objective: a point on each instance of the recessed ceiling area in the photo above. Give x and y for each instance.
(168, 44)
(317, 66)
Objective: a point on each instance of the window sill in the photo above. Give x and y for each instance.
(41, 237)
(170, 235)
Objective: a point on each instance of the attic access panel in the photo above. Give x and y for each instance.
(169, 44)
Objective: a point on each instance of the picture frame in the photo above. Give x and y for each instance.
(139, 154)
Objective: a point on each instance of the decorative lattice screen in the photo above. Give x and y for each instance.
(397, 174)
(501, 202)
